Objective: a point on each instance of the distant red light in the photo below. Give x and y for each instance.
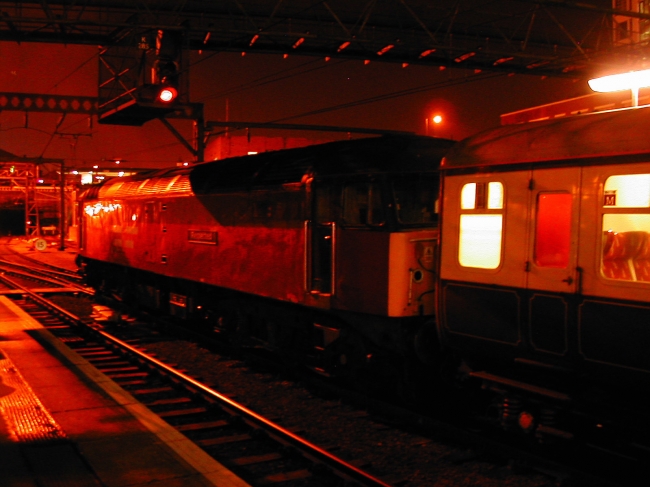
(167, 94)
(526, 421)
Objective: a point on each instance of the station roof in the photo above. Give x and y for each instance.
(6, 156)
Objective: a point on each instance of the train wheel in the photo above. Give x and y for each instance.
(426, 344)
(348, 358)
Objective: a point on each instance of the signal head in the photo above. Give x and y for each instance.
(167, 94)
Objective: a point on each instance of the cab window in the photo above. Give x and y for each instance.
(625, 243)
(481, 225)
(362, 204)
(416, 200)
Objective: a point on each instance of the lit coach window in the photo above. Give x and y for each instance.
(626, 228)
(481, 224)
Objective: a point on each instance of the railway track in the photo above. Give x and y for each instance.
(215, 422)
(254, 447)
(43, 279)
(34, 264)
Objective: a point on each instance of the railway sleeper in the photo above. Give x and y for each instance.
(253, 459)
(110, 369)
(152, 390)
(222, 440)
(128, 375)
(168, 401)
(278, 478)
(207, 425)
(175, 413)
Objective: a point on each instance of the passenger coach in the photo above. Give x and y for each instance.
(545, 264)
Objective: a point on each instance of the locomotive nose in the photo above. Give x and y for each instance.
(411, 279)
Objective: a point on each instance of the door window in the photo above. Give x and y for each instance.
(553, 230)
(481, 225)
(626, 228)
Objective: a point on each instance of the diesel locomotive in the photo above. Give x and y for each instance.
(324, 254)
(515, 263)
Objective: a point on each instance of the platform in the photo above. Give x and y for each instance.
(63, 423)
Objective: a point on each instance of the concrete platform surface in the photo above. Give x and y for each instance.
(63, 423)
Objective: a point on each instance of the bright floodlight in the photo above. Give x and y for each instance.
(624, 81)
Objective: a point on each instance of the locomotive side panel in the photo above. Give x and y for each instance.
(180, 237)
(231, 241)
(362, 268)
(102, 224)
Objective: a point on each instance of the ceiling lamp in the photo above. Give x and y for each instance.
(384, 50)
(343, 46)
(624, 81)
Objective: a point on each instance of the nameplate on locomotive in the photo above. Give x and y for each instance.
(203, 236)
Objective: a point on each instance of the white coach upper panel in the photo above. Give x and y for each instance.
(604, 134)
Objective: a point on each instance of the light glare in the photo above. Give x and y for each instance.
(167, 94)
(619, 82)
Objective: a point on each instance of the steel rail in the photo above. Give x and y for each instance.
(280, 432)
(308, 449)
(43, 276)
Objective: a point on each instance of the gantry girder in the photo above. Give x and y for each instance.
(541, 37)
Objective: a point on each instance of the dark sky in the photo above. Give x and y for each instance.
(259, 88)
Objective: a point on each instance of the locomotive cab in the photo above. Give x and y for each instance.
(372, 242)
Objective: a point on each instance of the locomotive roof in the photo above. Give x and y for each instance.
(394, 153)
(594, 135)
(169, 180)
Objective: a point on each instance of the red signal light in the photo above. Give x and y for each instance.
(167, 94)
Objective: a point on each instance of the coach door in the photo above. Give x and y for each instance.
(552, 273)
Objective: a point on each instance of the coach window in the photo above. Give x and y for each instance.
(626, 228)
(481, 225)
(553, 229)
